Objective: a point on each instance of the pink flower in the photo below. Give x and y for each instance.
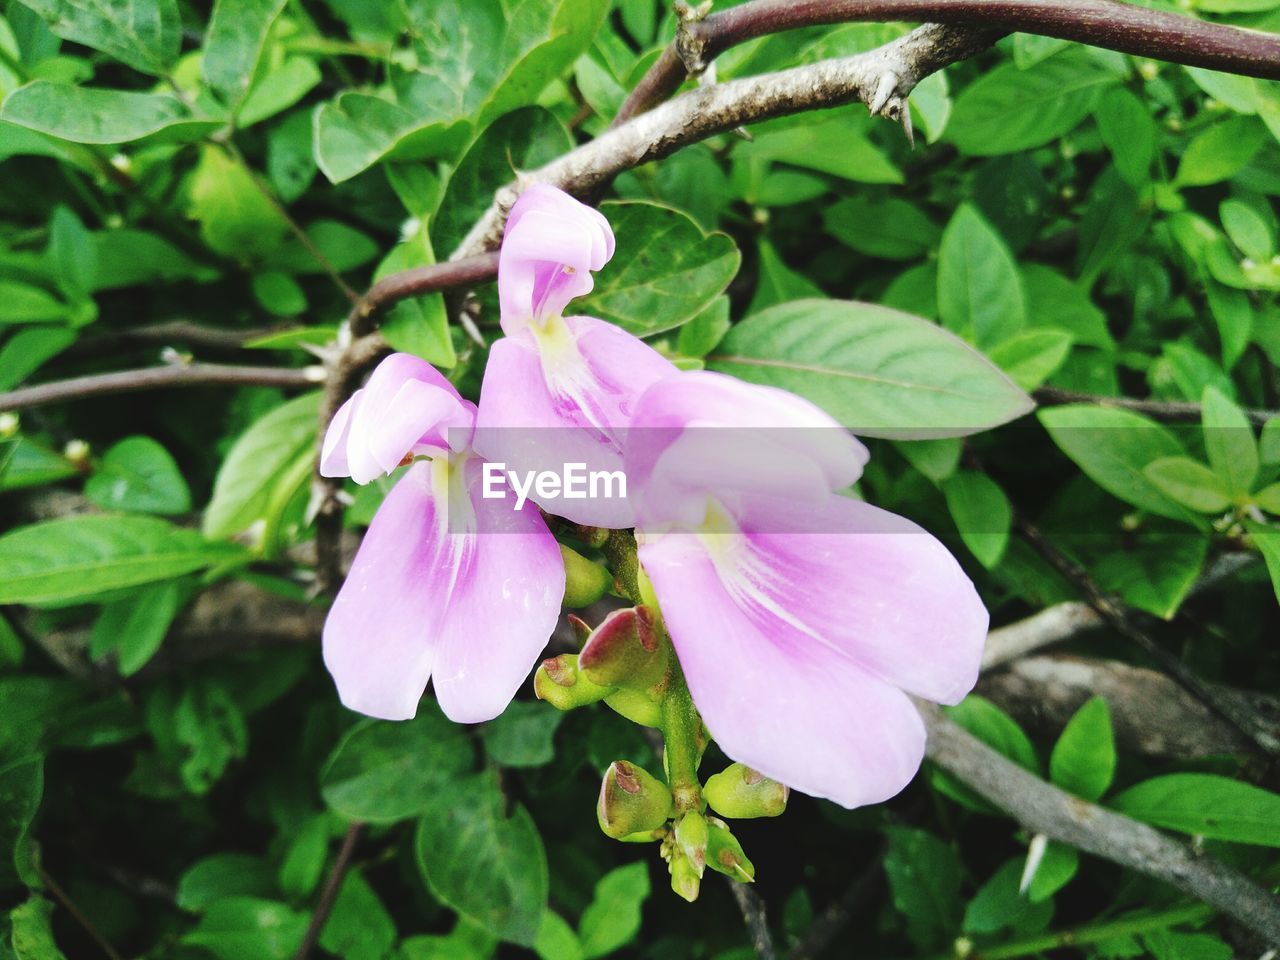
(448, 585)
(802, 618)
(559, 389)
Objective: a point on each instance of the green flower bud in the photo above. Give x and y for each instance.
(560, 683)
(585, 582)
(740, 793)
(632, 800)
(692, 839)
(685, 880)
(626, 650)
(636, 707)
(724, 853)
(581, 629)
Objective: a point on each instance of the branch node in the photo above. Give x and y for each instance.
(690, 44)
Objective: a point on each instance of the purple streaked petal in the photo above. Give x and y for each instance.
(379, 638)
(502, 610)
(798, 712)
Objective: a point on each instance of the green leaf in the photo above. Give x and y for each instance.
(1154, 572)
(936, 459)
(278, 89)
(881, 227)
(247, 928)
(877, 371)
(524, 139)
(23, 303)
(135, 626)
(25, 463)
(75, 558)
(1269, 443)
(145, 34)
(556, 939)
(522, 735)
(1083, 761)
(776, 282)
(93, 115)
(924, 880)
(1113, 448)
(1058, 866)
(360, 928)
(385, 772)
(1268, 498)
(1190, 483)
(304, 858)
(996, 729)
(1007, 110)
(1221, 151)
(420, 325)
(1055, 302)
(1205, 805)
(612, 919)
(477, 60)
(982, 514)
(27, 350)
(999, 906)
(71, 254)
(1233, 314)
(703, 333)
(261, 471)
(1267, 540)
(1228, 439)
(138, 475)
(1126, 127)
(236, 218)
(237, 33)
(1250, 230)
(279, 293)
(1033, 356)
(665, 271)
(488, 866)
(979, 289)
(839, 147)
(32, 936)
(224, 875)
(21, 789)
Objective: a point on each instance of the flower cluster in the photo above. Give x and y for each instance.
(801, 618)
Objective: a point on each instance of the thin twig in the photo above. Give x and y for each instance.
(1041, 807)
(1172, 411)
(85, 923)
(1126, 27)
(416, 282)
(185, 332)
(154, 378)
(755, 918)
(828, 925)
(1118, 617)
(329, 895)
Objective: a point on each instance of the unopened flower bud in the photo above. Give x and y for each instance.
(635, 706)
(77, 451)
(684, 878)
(724, 853)
(8, 425)
(691, 838)
(740, 793)
(585, 581)
(632, 801)
(560, 683)
(626, 650)
(581, 629)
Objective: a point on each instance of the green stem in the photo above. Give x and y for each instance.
(1094, 933)
(681, 729)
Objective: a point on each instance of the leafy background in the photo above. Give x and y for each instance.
(184, 182)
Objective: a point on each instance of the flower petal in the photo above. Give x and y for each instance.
(502, 610)
(381, 634)
(779, 702)
(539, 413)
(333, 455)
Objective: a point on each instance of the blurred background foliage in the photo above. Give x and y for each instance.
(183, 182)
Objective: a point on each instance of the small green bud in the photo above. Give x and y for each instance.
(685, 880)
(560, 683)
(585, 582)
(632, 800)
(8, 425)
(692, 838)
(636, 707)
(740, 793)
(77, 451)
(724, 853)
(626, 650)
